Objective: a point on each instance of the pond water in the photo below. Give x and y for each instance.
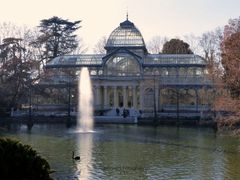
(133, 152)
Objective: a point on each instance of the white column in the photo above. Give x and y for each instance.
(134, 93)
(124, 97)
(115, 96)
(105, 97)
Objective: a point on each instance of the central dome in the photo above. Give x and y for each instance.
(126, 35)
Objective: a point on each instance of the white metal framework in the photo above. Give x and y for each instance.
(128, 76)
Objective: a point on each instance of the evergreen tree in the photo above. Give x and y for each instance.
(176, 46)
(57, 37)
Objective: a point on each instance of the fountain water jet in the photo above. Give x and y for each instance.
(85, 99)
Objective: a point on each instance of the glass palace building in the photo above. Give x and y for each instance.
(129, 77)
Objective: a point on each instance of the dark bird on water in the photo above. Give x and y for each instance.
(75, 157)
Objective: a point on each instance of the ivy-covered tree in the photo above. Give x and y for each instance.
(57, 37)
(176, 46)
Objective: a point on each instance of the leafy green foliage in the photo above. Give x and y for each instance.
(18, 161)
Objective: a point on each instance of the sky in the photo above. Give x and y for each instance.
(171, 18)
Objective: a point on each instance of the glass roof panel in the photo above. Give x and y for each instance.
(174, 59)
(83, 59)
(126, 35)
(150, 59)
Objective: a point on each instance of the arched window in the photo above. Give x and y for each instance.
(172, 71)
(155, 71)
(122, 65)
(199, 71)
(147, 71)
(164, 72)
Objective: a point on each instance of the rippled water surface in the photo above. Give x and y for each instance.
(133, 152)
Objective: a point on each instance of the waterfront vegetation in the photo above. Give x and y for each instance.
(227, 100)
(18, 161)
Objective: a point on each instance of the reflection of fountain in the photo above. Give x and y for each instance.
(85, 124)
(85, 147)
(85, 109)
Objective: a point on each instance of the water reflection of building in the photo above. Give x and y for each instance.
(128, 76)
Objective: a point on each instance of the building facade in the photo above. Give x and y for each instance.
(127, 76)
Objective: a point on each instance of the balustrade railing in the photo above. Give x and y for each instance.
(162, 80)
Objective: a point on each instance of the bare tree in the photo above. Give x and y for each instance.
(8, 29)
(156, 43)
(193, 42)
(232, 27)
(27, 35)
(210, 49)
(210, 44)
(100, 46)
(81, 49)
(15, 71)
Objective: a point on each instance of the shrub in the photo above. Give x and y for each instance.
(18, 161)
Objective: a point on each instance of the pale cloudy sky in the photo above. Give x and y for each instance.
(100, 17)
